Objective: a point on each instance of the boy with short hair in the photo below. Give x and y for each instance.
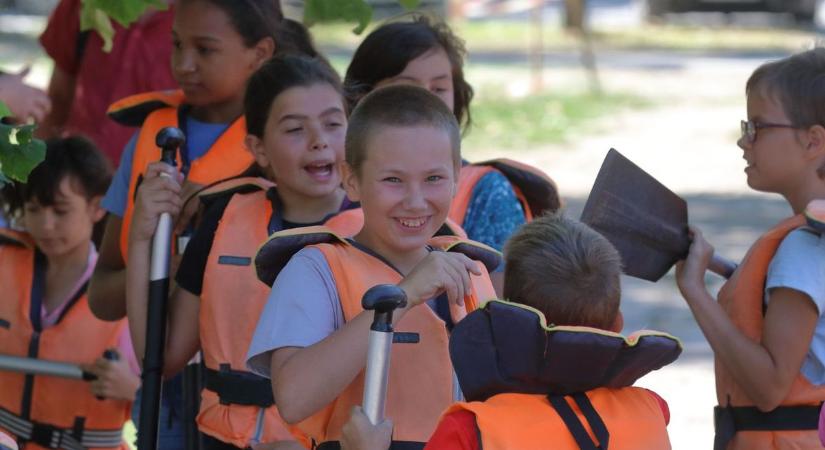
(559, 269)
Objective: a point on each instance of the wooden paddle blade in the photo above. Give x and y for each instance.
(643, 219)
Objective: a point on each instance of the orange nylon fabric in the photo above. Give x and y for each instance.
(414, 402)
(78, 338)
(742, 298)
(632, 416)
(227, 157)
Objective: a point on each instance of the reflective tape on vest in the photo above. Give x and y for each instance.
(53, 437)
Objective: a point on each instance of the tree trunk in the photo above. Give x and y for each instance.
(574, 14)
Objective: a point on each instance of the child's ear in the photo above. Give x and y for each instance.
(350, 181)
(264, 50)
(255, 145)
(95, 210)
(618, 323)
(816, 141)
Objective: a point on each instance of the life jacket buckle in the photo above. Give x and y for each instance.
(45, 435)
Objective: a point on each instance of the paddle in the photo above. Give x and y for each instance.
(643, 219)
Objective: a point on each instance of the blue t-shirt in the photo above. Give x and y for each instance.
(799, 264)
(494, 212)
(199, 139)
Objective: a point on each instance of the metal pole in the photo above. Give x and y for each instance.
(384, 299)
(35, 366)
(168, 139)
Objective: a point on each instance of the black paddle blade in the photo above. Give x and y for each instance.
(643, 219)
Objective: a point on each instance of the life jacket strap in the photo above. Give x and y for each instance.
(574, 425)
(394, 445)
(239, 388)
(728, 420)
(50, 436)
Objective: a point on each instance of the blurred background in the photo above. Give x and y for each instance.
(558, 83)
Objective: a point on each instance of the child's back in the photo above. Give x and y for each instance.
(564, 381)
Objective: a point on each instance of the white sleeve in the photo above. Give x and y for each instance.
(303, 308)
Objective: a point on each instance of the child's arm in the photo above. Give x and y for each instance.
(107, 286)
(304, 380)
(155, 196)
(765, 370)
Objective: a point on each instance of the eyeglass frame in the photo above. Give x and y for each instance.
(749, 128)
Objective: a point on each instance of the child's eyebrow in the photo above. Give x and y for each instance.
(445, 76)
(326, 112)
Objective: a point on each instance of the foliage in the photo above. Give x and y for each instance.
(97, 15)
(19, 151)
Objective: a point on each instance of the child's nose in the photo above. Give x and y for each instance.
(743, 143)
(185, 61)
(319, 142)
(415, 198)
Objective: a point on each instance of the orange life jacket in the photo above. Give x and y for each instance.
(414, 402)
(742, 298)
(156, 110)
(631, 415)
(237, 406)
(44, 411)
(536, 192)
(529, 390)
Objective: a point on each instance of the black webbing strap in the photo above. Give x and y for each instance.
(728, 420)
(574, 425)
(394, 445)
(239, 388)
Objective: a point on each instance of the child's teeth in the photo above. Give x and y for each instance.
(412, 223)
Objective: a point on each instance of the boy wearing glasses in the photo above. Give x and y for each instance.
(767, 329)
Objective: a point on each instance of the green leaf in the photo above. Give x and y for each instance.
(409, 4)
(19, 152)
(4, 110)
(97, 15)
(319, 11)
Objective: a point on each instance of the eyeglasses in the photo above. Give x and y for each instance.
(749, 128)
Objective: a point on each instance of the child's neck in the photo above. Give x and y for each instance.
(302, 209)
(403, 261)
(805, 192)
(62, 273)
(225, 112)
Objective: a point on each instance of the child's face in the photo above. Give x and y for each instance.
(66, 225)
(210, 61)
(405, 187)
(432, 71)
(303, 141)
(775, 159)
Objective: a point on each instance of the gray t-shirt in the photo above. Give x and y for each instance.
(799, 264)
(302, 309)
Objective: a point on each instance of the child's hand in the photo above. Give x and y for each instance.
(156, 195)
(25, 102)
(440, 272)
(115, 379)
(360, 434)
(690, 273)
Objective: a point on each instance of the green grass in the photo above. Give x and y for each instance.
(500, 122)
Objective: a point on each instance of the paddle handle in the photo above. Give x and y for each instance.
(721, 266)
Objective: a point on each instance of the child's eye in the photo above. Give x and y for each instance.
(334, 124)
(434, 178)
(294, 130)
(392, 180)
(205, 50)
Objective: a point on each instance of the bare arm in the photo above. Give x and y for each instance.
(107, 288)
(61, 92)
(155, 196)
(764, 370)
(304, 380)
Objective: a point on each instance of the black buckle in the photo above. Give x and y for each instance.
(42, 434)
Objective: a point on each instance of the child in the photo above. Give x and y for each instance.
(401, 165)
(44, 313)
(296, 121)
(218, 44)
(426, 53)
(563, 275)
(767, 331)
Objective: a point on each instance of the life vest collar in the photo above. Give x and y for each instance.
(133, 110)
(275, 253)
(507, 347)
(539, 190)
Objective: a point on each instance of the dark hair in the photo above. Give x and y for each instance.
(73, 156)
(277, 75)
(386, 51)
(399, 106)
(798, 84)
(259, 19)
(564, 269)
